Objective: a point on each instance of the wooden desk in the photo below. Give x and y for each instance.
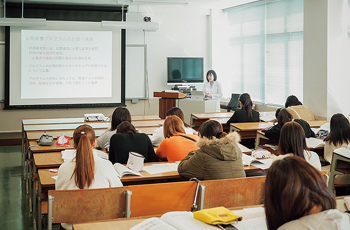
(198, 118)
(35, 148)
(80, 119)
(248, 130)
(125, 224)
(35, 135)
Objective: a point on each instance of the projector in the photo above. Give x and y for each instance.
(94, 117)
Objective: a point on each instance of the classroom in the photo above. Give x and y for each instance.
(267, 48)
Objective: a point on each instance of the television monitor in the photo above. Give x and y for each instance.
(185, 70)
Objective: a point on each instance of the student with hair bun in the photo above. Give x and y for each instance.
(297, 197)
(86, 170)
(246, 113)
(218, 156)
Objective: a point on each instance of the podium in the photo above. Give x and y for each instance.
(167, 100)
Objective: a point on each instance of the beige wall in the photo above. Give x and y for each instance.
(12, 119)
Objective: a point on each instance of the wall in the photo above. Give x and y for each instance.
(338, 70)
(182, 31)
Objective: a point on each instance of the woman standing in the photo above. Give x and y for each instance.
(212, 88)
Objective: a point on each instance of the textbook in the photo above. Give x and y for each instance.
(173, 221)
(312, 142)
(122, 170)
(263, 164)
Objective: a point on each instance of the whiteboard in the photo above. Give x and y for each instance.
(136, 84)
(2, 72)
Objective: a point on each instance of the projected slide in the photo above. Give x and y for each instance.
(66, 64)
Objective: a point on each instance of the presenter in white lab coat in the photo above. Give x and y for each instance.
(212, 88)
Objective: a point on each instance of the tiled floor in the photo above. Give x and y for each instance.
(14, 207)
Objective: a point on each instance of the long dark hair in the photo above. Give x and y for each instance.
(283, 116)
(340, 130)
(291, 101)
(119, 115)
(210, 129)
(177, 112)
(247, 104)
(292, 188)
(126, 128)
(292, 139)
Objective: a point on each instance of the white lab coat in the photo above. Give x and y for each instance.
(215, 92)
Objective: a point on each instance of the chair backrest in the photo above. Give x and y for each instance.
(84, 205)
(235, 192)
(234, 102)
(156, 199)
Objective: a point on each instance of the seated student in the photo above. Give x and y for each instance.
(338, 137)
(158, 134)
(128, 140)
(283, 117)
(177, 144)
(86, 170)
(297, 197)
(298, 110)
(119, 115)
(218, 156)
(246, 113)
(292, 142)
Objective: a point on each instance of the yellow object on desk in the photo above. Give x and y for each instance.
(215, 216)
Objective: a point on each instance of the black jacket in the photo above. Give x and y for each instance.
(121, 144)
(273, 132)
(241, 116)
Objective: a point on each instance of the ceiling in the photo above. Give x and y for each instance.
(208, 4)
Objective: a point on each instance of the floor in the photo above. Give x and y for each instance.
(14, 207)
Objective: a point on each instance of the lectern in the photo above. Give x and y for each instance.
(167, 100)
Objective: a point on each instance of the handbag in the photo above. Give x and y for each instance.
(45, 140)
(215, 216)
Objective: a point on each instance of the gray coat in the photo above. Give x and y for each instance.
(216, 159)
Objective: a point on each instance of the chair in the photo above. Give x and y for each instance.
(157, 199)
(232, 193)
(234, 102)
(340, 165)
(84, 205)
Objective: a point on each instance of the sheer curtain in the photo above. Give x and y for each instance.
(266, 41)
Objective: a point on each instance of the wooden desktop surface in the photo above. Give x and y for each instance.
(212, 115)
(35, 135)
(125, 224)
(36, 121)
(95, 125)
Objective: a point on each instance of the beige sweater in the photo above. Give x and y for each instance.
(301, 112)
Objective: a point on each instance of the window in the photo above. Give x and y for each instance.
(266, 49)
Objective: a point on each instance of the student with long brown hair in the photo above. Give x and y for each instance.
(177, 144)
(298, 110)
(218, 156)
(126, 140)
(158, 135)
(292, 142)
(297, 197)
(338, 137)
(246, 113)
(119, 115)
(86, 170)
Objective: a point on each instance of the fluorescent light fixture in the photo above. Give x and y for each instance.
(131, 25)
(22, 22)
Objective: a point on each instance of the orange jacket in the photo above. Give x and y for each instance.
(176, 148)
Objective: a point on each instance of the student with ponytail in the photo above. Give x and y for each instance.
(86, 170)
(246, 113)
(218, 156)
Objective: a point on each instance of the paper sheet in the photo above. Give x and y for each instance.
(54, 177)
(254, 210)
(256, 224)
(161, 168)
